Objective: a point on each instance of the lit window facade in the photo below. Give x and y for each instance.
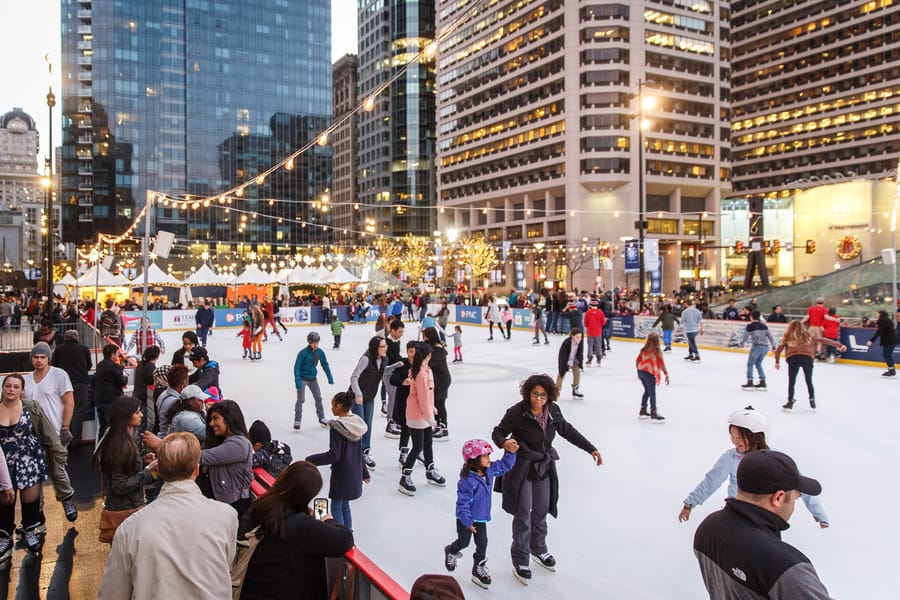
(536, 124)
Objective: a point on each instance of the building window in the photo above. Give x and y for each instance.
(514, 233)
(667, 226)
(556, 228)
(495, 234)
(534, 230)
(690, 228)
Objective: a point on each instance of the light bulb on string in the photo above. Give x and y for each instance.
(260, 179)
(430, 50)
(289, 165)
(323, 139)
(369, 104)
(239, 192)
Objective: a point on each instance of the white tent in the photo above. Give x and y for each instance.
(340, 275)
(319, 276)
(281, 276)
(107, 279)
(205, 276)
(298, 275)
(155, 277)
(67, 280)
(252, 275)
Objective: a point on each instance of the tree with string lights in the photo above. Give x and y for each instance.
(575, 259)
(479, 255)
(416, 257)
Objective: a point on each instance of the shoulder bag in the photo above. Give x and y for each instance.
(246, 546)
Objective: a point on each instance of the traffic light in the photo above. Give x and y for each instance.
(810, 246)
(776, 246)
(739, 247)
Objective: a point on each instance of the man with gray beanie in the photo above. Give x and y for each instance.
(739, 548)
(51, 389)
(74, 358)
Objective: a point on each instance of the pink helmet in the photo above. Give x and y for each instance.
(476, 448)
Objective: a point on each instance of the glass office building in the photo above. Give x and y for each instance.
(192, 97)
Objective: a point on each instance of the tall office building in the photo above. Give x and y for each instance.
(816, 131)
(194, 98)
(22, 197)
(397, 137)
(538, 140)
(345, 208)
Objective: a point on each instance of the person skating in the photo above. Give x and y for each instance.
(799, 348)
(747, 428)
(650, 367)
(473, 504)
(305, 376)
(337, 328)
(691, 322)
(399, 379)
(539, 325)
(442, 380)
(570, 358)
(760, 341)
(420, 418)
(364, 382)
(668, 320)
(246, 335)
(457, 343)
(887, 335)
(594, 322)
(492, 315)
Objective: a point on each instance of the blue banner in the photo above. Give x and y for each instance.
(133, 319)
(855, 339)
(656, 279)
(523, 318)
(622, 326)
(632, 256)
(469, 314)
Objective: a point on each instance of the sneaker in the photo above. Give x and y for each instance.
(370, 464)
(546, 560)
(787, 406)
(761, 386)
(434, 477)
(392, 430)
(406, 483)
(70, 509)
(404, 454)
(450, 558)
(657, 418)
(32, 540)
(296, 425)
(576, 392)
(6, 547)
(643, 414)
(323, 422)
(812, 403)
(523, 574)
(480, 575)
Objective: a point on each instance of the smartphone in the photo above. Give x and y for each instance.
(320, 508)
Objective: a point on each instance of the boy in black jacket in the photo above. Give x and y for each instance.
(398, 377)
(273, 456)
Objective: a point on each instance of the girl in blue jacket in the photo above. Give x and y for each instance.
(473, 505)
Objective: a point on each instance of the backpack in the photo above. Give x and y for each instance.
(109, 323)
(246, 546)
(274, 457)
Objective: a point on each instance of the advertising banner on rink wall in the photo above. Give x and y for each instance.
(714, 333)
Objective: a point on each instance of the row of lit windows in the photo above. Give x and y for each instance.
(823, 123)
(748, 26)
(504, 179)
(514, 141)
(776, 181)
(486, 95)
(537, 114)
(855, 158)
(747, 102)
(678, 21)
(680, 42)
(840, 137)
(488, 111)
(811, 109)
(681, 64)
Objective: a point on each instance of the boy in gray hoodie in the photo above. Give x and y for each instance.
(761, 339)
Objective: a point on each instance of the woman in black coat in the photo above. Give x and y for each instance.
(531, 488)
(442, 381)
(888, 337)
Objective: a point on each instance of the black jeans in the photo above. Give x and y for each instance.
(464, 536)
(888, 353)
(421, 442)
(795, 363)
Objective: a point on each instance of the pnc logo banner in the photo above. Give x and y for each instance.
(468, 314)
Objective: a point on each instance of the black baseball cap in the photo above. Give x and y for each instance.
(197, 353)
(768, 471)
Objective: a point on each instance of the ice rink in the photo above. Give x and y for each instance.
(617, 535)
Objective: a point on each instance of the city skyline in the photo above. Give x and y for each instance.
(37, 32)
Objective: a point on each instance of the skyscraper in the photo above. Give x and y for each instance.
(194, 98)
(396, 138)
(345, 211)
(539, 140)
(21, 194)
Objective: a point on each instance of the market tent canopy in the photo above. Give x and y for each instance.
(106, 279)
(299, 275)
(280, 276)
(341, 275)
(68, 280)
(155, 277)
(252, 275)
(205, 276)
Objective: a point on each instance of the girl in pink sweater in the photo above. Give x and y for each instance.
(420, 420)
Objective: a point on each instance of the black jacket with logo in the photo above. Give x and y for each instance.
(742, 557)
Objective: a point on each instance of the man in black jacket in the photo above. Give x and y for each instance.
(739, 548)
(109, 380)
(74, 358)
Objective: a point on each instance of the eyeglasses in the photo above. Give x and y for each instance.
(539, 395)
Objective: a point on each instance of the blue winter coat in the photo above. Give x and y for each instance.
(473, 492)
(345, 455)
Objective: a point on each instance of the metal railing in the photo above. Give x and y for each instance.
(20, 338)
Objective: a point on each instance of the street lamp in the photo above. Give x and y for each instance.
(643, 103)
(48, 200)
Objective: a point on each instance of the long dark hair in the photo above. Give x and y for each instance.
(293, 490)
(233, 417)
(117, 450)
(423, 349)
(372, 349)
(430, 334)
(753, 441)
(471, 466)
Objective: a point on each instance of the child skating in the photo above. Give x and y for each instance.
(246, 335)
(457, 344)
(799, 347)
(747, 428)
(473, 505)
(337, 329)
(305, 376)
(650, 367)
(760, 341)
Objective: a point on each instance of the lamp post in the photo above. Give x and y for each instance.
(48, 200)
(641, 224)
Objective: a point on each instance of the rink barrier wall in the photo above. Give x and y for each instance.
(715, 334)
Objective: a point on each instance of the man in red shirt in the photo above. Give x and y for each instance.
(594, 322)
(815, 318)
